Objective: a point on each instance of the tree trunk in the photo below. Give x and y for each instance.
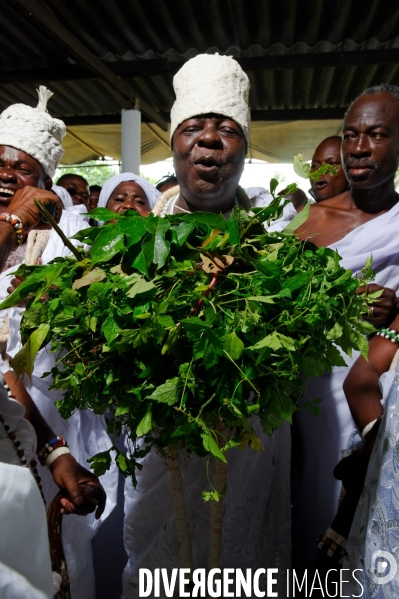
(216, 507)
(179, 508)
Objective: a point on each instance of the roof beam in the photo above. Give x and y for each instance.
(83, 55)
(299, 114)
(320, 59)
(160, 66)
(293, 114)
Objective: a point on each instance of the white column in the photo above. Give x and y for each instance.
(131, 141)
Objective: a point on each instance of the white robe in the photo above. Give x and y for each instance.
(257, 517)
(316, 491)
(25, 570)
(85, 432)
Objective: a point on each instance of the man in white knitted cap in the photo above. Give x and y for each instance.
(209, 136)
(209, 133)
(30, 150)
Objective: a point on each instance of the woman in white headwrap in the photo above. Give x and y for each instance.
(128, 191)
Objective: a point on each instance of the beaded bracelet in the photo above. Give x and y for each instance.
(54, 455)
(15, 221)
(49, 448)
(389, 334)
(333, 544)
(336, 537)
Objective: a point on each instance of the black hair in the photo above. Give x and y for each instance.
(166, 179)
(95, 188)
(67, 176)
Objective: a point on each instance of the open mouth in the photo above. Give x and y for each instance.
(207, 165)
(321, 184)
(6, 193)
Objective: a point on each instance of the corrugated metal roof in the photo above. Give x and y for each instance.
(312, 57)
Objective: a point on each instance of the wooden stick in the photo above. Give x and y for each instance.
(179, 508)
(57, 229)
(58, 561)
(216, 507)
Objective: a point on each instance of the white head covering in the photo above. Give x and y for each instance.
(150, 191)
(210, 83)
(64, 196)
(34, 131)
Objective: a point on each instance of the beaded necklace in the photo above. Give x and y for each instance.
(18, 447)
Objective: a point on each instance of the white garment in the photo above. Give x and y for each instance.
(375, 524)
(25, 571)
(257, 519)
(64, 196)
(85, 432)
(323, 437)
(13, 414)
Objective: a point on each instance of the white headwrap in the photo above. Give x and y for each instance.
(34, 131)
(64, 196)
(210, 83)
(150, 191)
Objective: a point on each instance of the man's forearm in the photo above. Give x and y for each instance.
(43, 431)
(8, 239)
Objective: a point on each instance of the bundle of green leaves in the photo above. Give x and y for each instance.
(172, 325)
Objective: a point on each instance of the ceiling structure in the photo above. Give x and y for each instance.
(306, 60)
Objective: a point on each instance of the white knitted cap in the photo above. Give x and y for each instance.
(210, 83)
(34, 131)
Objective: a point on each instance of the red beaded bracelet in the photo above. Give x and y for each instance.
(15, 222)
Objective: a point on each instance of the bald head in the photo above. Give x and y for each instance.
(328, 186)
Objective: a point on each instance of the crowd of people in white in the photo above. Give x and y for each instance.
(353, 211)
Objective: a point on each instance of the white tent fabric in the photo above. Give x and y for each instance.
(271, 141)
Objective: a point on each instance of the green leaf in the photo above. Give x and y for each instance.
(210, 445)
(302, 169)
(335, 332)
(94, 276)
(101, 462)
(122, 462)
(159, 247)
(38, 282)
(183, 231)
(169, 392)
(107, 244)
(275, 341)
(110, 328)
(24, 360)
(273, 185)
(140, 287)
(103, 214)
(140, 263)
(145, 424)
(334, 356)
(233, 228)
(298, 220)
(233, 345)
(214, 495)
(265, 299)
(121, 410)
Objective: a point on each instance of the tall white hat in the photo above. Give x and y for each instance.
(210, 83)
(34, 131)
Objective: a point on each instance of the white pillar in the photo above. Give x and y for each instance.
(131, 141)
